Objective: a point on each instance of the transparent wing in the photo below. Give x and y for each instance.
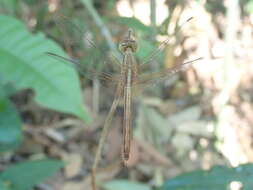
(160, 48)
(76, 36)
(151, 78)
(90, 73)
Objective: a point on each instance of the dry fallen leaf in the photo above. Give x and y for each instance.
(74, 164)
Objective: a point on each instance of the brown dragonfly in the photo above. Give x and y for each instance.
(128, 79)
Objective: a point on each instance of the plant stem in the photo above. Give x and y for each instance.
(97, 19)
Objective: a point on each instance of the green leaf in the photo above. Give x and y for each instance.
(110, 4)
(218, 178)
(24, 62)
(133, 23)
(24, 176)
(125, 185)
(30, 2)
(10, 124)
(8, 5)
(7, 88)
(3, 186)
(249, 7)
(145, 48)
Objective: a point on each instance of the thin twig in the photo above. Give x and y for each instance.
(153, 17)
(102, 141)
(154, 67)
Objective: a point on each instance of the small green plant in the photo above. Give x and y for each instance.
(24, 64)
(24, 176)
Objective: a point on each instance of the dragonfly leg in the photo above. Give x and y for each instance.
(104, 134)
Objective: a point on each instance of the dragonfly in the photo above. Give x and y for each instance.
(128, 78)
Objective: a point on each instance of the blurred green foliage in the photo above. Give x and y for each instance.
(10, 123)
(215, 6)
(24, 176)
(8, 6)
(218, 178)
(249, 6)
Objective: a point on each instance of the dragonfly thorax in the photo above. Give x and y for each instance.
(128, 43)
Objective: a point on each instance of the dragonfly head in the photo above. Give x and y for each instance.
(128, 42)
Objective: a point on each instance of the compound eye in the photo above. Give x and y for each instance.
(122, 46)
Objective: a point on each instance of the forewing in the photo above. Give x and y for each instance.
(74, 35)
(89, 73)
(152, 78)
(160, 48)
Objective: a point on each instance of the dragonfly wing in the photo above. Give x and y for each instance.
(75, 64)
(155, 53)
(161, 47)
(151, 78)
(70, 32)
(74, 35)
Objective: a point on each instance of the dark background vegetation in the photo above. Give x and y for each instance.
(198, 119)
